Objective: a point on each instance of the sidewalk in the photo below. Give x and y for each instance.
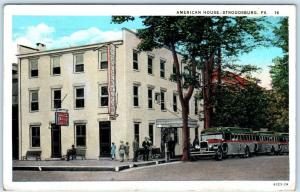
(104, 164)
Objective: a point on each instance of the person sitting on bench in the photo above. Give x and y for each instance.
(71, 153)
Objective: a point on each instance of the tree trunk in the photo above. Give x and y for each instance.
(185, 132)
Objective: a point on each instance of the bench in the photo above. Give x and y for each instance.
(33, 153)
(80, 152)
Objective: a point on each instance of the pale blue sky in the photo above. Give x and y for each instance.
(64, 31)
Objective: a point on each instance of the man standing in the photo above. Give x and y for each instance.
(146, 146)
(135, 147)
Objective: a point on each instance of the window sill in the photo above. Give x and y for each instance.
(35, 148)
(102, 69)
(35, 77)
(136, 70)
(103, 107)
(79, 108)
(136, 107)
(152, 109)
(34, 111)
(151, 74)
(80, 72)
(163, 110)
(55, 75)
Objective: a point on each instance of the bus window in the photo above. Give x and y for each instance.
(227, 136)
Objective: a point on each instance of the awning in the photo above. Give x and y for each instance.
(175, 123)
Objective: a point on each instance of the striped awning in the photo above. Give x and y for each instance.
(175, 123)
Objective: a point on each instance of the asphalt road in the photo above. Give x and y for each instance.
(259, 168)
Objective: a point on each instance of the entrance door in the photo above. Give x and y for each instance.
(105, 138)
(55, 141)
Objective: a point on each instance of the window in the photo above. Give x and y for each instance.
(150, 65)
(34, 71)
(80, 135)
(174, 102)
(162, 68)
(135, 60)
(196, 106)
(175, 135)
(79, 97)
(162, 100)
(151, 132)
(196, 132)
(103, 96)
(137, 132)
(55, 62)
(35, 136)
(150, 98)
(174, 69)
(135, 95)
(34, 100)
(56, 98)
(103, 61)
(79, 67)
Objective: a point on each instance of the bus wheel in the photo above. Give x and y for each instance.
(219, 154)
(247, 152)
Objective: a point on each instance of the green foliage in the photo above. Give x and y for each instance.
(240, 106)
(280, 80)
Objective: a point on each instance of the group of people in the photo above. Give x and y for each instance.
(124, 150)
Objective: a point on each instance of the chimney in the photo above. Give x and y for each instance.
(41, 46)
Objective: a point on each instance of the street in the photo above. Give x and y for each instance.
(254, 168)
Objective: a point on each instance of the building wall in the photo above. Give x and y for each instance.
(122, 128)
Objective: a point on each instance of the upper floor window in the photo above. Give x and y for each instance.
(103, 60)
(135, 60)
(35, 136)
(174, 102)
(162, 68)
(55, 62)
(79, 66)
(79, 97)
(150, 65)
(103, 95)
(34, 71)
(162, 100)
(56, 98)
(135, 95)
(150, 98)
(80, 130)
(34, 100)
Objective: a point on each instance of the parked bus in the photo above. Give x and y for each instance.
(222, 142)
(272, 142)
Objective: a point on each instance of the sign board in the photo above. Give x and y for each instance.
(62, 118)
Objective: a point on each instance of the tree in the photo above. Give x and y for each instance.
(280, 80)
(198, 39)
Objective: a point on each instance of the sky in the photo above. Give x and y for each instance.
(68, 31)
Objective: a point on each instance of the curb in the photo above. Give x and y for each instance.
(88, 168)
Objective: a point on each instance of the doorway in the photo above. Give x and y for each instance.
(55, 141)
(105, 138)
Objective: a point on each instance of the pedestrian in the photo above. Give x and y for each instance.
(135, 147)
(146, 146)
(113, 151)
(127, 151)
(71, 153)
(122, 150)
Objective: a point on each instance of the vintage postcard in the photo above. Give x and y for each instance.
(149, 97)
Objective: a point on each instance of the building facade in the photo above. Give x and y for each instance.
(111, 92)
